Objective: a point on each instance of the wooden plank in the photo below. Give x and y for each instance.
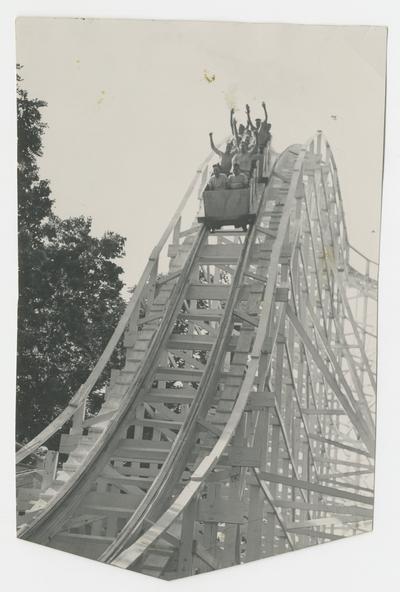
(326, 508)
(213, 429)
(149, 319)
(219, 292)
(260, 400)
(196, 342)
(185, 554)
(242, 316)
(240, 456)
(338, 444)
(330, 521)
(174, 423)
(49, 469)
(168, 278)
(68, 442)
(204, 315)
(229, 253)
(320, 535)
(179, 374)
(142, 450)
(110, 500)
(266, 231)
(222, 510)
(124, 481)
(322, 411)
(223, 475)
(328, 491)
(183, 396)
(338, 461)
(82, 520)
(345, 485)
(192, 230)
(96, 419)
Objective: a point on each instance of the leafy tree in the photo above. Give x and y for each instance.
(69, 289)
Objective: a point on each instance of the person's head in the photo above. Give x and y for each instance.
(258, 123)
(241, 129)
(216, 170)
(236, 169)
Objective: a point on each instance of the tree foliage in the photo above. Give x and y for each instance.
(69, 288)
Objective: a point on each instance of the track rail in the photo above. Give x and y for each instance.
(166, 480)
(78, 401)
(134, 552)
(242, 424)
(63, 505)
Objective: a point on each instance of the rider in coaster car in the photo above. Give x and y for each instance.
(240, 133)
(237, 180)
(226, 157)
(217, 180)
(246, 157)
(262, 128)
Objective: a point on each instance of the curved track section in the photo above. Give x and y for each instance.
(242, 424)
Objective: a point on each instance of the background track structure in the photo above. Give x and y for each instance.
(241, 424)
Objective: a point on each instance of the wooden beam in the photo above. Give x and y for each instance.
(328, 491)
(356, 419)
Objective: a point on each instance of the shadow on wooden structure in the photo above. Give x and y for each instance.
(242, 423)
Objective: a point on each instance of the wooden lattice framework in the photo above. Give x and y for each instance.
(242, 423)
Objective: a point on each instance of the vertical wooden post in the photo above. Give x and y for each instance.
(176, 232)
(49, 469)
(319, 137)
(185, 556)
(78, 418)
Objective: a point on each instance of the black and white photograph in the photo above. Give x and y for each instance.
(199, 225)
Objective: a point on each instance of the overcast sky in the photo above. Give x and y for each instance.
(129, 111)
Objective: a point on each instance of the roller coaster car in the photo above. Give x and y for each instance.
(227, 206)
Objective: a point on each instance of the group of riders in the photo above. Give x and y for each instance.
(241, 153)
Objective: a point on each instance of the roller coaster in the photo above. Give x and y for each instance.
(241, 422)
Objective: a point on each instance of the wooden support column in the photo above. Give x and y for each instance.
(186, 546)
(49, 469)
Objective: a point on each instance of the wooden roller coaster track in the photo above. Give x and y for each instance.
(241, 424)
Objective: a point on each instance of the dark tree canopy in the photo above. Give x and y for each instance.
(69, 289)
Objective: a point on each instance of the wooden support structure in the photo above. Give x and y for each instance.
(241, 424)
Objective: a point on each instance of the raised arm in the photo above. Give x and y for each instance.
(249, 122)
(235, 132)
(232, 121)
(265, 110)
(213, 146)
